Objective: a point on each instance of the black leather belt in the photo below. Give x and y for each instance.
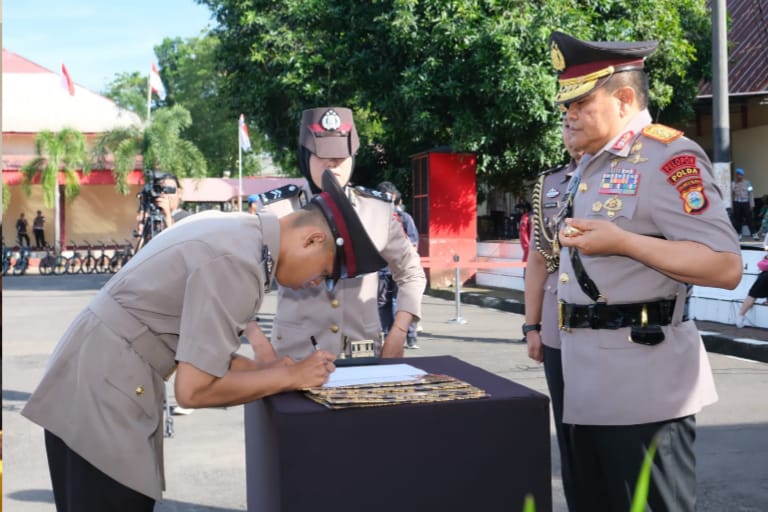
(616, 316)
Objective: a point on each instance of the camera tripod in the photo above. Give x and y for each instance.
(152, 223)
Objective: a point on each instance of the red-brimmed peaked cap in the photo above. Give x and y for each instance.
(583, 66)
(329, 132)
(355, 253)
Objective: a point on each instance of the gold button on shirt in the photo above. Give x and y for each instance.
(335, 304)
(334, 328)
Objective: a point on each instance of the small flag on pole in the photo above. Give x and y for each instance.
(245, 140)
(155, 83)
(66, 81)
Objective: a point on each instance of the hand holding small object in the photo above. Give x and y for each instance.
(570, 231)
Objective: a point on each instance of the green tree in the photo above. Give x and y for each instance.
(472, 75)
(193, 81)
(64, 152)
(129, 91)
(159, 143)
(6, 197)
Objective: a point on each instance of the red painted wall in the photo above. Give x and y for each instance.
(445, 211)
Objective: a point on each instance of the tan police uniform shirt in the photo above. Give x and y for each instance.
(351, 308)
(186, 296)
(653, 184)
(548, 201)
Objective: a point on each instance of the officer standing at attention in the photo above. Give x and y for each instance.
(541, 331)
(328, 140)
(180, 305)
(645, 222)
(743, 203)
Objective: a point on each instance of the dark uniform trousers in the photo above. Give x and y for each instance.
(742, 216)
(79, 487)
(622, 448)
(553, 371)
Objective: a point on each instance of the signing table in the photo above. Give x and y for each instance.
(466, 455)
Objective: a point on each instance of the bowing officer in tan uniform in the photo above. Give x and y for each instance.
(328, 140)
(541, 330)
(181, 303)
(646, 222)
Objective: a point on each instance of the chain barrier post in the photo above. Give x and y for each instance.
(457, 287)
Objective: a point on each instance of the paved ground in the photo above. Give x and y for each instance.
(748, 342)
(205, 464)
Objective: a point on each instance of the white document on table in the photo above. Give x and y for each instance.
(372, 374)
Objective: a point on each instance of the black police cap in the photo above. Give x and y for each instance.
(584, 66)
(355, 253)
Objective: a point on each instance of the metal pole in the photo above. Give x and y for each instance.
(721, 134)
(239, 172)
(149, 96)
(457, 287)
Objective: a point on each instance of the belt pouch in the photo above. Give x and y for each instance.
(648, 335)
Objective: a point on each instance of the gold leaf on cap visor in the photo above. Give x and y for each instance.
(572, 88)
(558, 60)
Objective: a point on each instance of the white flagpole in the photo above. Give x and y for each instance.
(239, 171)
(149, 94)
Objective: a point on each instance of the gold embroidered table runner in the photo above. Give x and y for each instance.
(425, 389)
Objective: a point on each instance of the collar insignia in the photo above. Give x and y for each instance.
(623, 140)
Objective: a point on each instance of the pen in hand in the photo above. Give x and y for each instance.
(314, 342)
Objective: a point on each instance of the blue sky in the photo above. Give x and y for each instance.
(97, 39)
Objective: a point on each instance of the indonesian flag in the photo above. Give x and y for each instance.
(245, 140)
(155, 83)
(66, 81)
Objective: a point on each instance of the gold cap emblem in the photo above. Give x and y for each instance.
(558, 60)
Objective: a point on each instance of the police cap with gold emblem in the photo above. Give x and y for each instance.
(355, 253)
(583, 66)
(329, 132)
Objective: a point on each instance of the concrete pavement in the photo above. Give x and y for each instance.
(205, 463)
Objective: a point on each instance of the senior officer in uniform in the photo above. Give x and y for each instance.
(541, 330)
(183, 300)
(328, 140)
(647, 221)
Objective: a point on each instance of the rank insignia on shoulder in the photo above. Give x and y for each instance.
(554, 169)
(661, 133)
(278, 194)
(370, 192)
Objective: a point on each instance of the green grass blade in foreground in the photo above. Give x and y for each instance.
(644, 479)
(529, 505)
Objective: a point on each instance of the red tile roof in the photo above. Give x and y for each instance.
(748, 48)
(15, 63)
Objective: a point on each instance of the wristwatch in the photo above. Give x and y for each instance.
(530, 327)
